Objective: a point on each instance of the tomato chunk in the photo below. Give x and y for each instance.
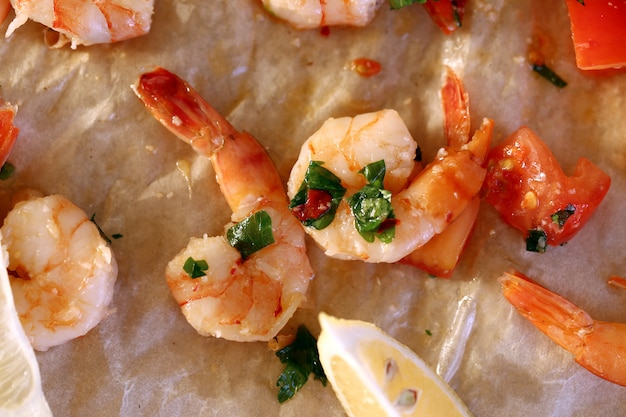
(8, 131)
(599, 33)
(528, 188)
(447, 14)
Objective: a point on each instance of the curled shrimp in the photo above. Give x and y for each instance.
(85, 22)
(440, 255)
(242, 298)
(62, 271)
(345, 148)
(308, 14)
(598, 346)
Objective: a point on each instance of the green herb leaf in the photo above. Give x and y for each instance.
(549, 75)
(195, 268)
(102, 234)
(581, 2)
(398, 4)
(371, 206)
(301, 359)
(6, 171)
(318, 197)
(536, 241)
(251, 234)
(561, 216)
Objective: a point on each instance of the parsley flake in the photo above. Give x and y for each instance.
(301, 358)
(398, 4)
(6, 171)
(251, 234)
(536, 241)
(549, 75)
(371, 206)
(318, 197)
(195, 268)
(561, 216)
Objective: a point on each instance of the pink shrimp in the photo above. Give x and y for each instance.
(440, 255)
(239, 298)
(598, 346)
(85, 22)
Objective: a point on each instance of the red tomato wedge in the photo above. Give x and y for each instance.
(599, 33)
(447, 14)
(527, 186)
(8, 131)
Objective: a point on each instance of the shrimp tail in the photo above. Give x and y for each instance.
(183, 111)
(234, 154)
(555, 316)
(456, 110)
(598, 346)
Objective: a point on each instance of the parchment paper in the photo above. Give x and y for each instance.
(85, 135)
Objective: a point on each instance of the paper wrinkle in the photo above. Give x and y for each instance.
(453, 347)
(84, 134)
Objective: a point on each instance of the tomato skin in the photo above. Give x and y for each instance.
(447, 14)
(527, 186)
(599, 33)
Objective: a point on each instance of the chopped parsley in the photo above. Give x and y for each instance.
(102, 234)
(398, 4)
(6, 171)
(301, 358)
(371, 206)
(428, 332)
(561, 216)
(318, 197)
(195, 268)
(536, 241)
(251, 234)
(549, 75)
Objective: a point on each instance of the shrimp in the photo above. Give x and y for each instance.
(598, 346)
(85, 22)
(345, 148)
(440, 255)
(62, 272)
(238, 296)
(5, 8)
(308, 14)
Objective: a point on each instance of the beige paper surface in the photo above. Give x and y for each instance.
(85, 135)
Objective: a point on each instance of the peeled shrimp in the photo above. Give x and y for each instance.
(423, 207)
(598, 346)
(85, 22)
(62, 271)
(5, 8)
(238, 299)
(308, 14)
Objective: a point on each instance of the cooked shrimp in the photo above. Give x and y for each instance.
(440, 255)
(308, 14)
(421, 209)
(85, 22)
(237, 297)
(62, 271)
(598, 346)
(5, 8)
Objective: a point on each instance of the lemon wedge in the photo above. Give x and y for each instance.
(375, 375)
(20, 383)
